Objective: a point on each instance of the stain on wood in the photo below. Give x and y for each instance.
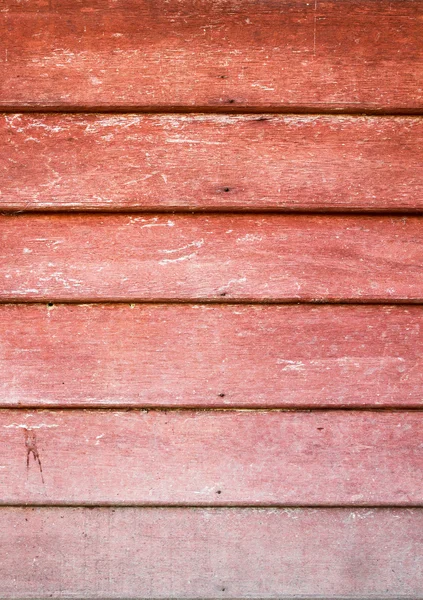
(32, 449)
(210, 356)
(323, 55)
(210, 162)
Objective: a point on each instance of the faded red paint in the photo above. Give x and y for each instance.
(355, 56)
(284, 55)
(210, 162)
(324, 458)
(211, 553)
(215, 257)
(211, 356)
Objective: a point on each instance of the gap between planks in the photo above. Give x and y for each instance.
(207, 110)
(229, 506)
(338, 597)
(216, 408)
(204, 212)
(213, 301)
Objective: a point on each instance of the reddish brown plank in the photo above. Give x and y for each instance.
(174, 162)
(264, 258)
(211, 553)
(211, 356)
(290, 54)
(260, 458)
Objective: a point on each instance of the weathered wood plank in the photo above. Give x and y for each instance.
(238, 458)
(211, 553)
(291, 54)
(210, 356)
(174, 162)
(265, 258)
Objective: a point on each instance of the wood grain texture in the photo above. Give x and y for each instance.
(263, 258)
(211, 356)
(199, 162)
(352, 55)
(211, 553)
(236, 458)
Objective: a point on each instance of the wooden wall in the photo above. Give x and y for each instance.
(211, 287)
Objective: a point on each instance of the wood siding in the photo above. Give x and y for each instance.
(221, 355)
(212, 457)
(211, 287)
(217, 257)
(211, 553)
(287, 55)
(210, 162)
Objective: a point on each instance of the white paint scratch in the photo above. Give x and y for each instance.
(152, 223)
(291, 365)
(175, 260)
(197, 244)
(263, 87)
(29, 426)
(189, 141)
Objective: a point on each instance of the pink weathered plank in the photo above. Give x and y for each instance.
(287, 54)
(206, 162)
(209, 356)
(260, 458)
(219, 257)
(211, 553)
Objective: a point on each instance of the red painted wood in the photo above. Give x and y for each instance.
(286, 258)
(264, 57)
(210, 356)
(293, 54)
(211, 553)
(211, 457)
(152, 162)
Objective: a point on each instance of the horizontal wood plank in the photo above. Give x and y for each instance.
(211, 457)
(199, 162)
(209, 356)
(211, 553)
(352, 55)
(218, 257)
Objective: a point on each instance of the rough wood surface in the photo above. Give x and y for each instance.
(264, 258)
(211, 553)
(352, 55)
(211, 457)
(210, 356)
(174, 162)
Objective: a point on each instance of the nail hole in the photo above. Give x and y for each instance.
(231, 101)
(221, 395)
(50, 304)
(219, 492)
(223, 293)
(226, 189)
(320, 428)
